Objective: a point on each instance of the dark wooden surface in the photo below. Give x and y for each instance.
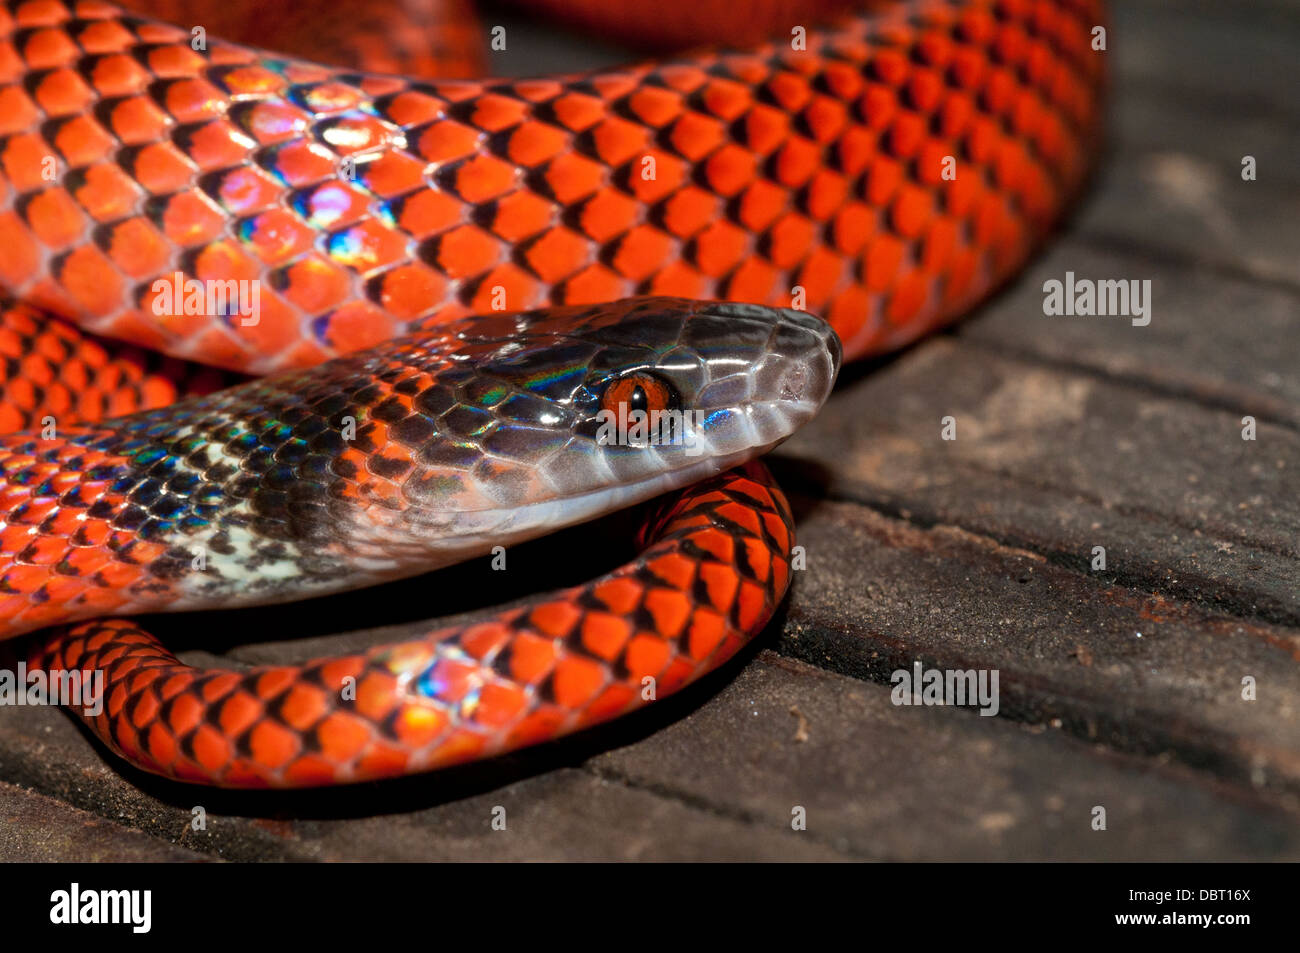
(1119, 688)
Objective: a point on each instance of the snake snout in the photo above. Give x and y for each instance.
(770, 371)
(815, 353)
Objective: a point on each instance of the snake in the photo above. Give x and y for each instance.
(483, 309)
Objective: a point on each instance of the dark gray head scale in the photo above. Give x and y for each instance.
(611, 396)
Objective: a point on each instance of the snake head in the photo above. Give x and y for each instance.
(545, 418)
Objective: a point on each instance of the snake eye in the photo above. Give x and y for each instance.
(638, 391)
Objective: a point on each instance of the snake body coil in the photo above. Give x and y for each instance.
(884, 170)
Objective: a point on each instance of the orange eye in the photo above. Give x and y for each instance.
(638, 392)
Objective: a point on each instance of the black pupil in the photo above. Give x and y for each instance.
(639, 400)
